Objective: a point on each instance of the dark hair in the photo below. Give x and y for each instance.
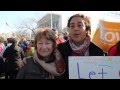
(85, 18)
(9, 40)
(118, 47)
(76, 15)
(13, 41)
(54, 30)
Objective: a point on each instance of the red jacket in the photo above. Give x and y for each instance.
(60, 40)
(113, 51)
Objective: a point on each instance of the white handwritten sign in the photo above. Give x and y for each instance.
(94, 67)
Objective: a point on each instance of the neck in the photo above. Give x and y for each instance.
(46, 58)
(43, 58)
(79, 43)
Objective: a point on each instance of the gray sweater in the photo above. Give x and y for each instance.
(32, 70)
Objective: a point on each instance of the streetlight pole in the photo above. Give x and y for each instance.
(51, 21)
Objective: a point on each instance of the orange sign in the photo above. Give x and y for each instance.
(106, 35)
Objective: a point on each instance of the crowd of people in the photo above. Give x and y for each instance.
(46, 57)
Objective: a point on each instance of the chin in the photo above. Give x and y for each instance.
(77, 40)
(44, 55)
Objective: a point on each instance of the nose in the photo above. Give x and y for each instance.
(44, 46)
(76, 28)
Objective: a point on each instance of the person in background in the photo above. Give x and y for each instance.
(12, 54)
(59, 37)
(31, 49)
(66, 35)
(114, 50)
(47, 62)
(79, 42)
(23, 44)
(2, 47)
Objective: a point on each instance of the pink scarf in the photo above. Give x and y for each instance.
(82, 50)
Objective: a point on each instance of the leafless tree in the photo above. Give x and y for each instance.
(28, 25)
(21, 34)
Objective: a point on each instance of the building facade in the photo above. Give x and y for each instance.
(53, 21)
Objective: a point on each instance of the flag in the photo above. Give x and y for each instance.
(7, 24)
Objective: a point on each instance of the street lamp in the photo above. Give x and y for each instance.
(51, 21)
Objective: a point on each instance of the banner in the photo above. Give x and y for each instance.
(94, 67)
(106, 35)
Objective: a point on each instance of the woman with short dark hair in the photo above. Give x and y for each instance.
(79, 43)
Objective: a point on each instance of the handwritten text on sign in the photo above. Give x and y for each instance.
(94, 67)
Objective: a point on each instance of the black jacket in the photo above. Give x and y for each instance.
(1, 65)
(66, 51)
(12, 54)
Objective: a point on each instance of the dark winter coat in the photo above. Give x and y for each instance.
(66, 51)
(32, 70)
(12, 54)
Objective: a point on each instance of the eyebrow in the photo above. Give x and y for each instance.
(74, 23)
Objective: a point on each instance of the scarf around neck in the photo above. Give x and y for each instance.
(55, 68)
(82, 50)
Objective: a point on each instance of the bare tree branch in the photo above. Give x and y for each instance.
(28, 24)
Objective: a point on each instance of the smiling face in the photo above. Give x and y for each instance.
(77, 29)
(44, 46)
(45, 42)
